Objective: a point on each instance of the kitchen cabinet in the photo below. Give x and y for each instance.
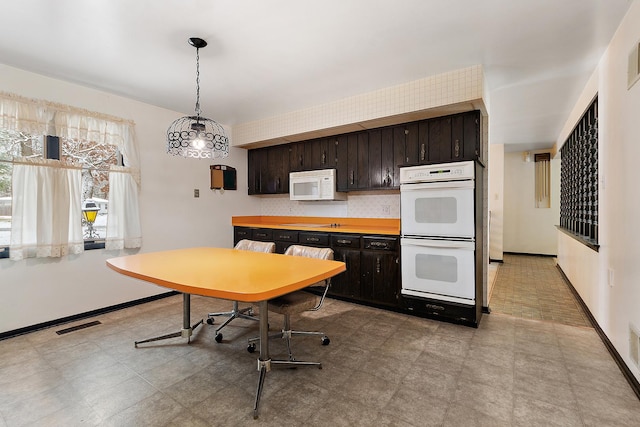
(357, 161)
(342, 164)
(323, 153)
(268, 170)
(372, 275)
(368, 160)
(346, 248)
(379, 267)
(380, 159)
(284, 239)
(439, 140)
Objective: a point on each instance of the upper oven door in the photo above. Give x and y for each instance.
(438, 209)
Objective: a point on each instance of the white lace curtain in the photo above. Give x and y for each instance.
(46, 194)
(46, 209)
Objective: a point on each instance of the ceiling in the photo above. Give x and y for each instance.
(266, 58)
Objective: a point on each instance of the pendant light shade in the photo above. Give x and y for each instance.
(196, 136)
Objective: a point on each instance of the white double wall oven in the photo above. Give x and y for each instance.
(437, 216)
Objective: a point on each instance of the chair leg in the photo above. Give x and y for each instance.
(235, 313)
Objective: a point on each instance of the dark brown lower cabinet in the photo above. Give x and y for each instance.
(372, 276)
(379, 265)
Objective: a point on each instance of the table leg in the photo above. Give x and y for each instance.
(264, 361)
(187, 329)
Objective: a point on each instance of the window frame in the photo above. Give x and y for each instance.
(579, 192)
(52, 150)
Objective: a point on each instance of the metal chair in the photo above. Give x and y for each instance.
(298, 301)
(247, 312)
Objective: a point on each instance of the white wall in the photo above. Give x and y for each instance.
(528, 229)
(40, 290)
(615, 306)
(496, 201)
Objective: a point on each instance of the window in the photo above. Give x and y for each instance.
(70, 191)
(94, 158)
(579, 179)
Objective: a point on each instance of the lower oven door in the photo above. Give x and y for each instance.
(439, 269)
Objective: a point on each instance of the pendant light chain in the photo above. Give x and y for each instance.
(198, 82)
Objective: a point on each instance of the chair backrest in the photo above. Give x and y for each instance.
(252, 245)
(309, 252)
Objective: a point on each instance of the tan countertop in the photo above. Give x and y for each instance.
(386, 226)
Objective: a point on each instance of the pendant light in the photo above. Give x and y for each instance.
(196, 136)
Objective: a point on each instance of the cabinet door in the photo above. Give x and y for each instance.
(323, 153)
(379, 272)
(257, 173)
(357, 158)
(342, 162)
(439, 146)
(389, 163)
(277, 170)
(471, 146)
(413, 152)
(296, 156)
(457, 137)
(375, 159)
(347, 284)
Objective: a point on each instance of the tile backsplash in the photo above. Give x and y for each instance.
(379, 204)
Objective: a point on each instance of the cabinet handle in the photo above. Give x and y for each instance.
(312, 239)
(457, 148)
(352, 177)
(387, 180)
(380, 245)
(278, 183)
(344, 242)
(378, 265)
(301, 160)
(324, 157)
(423, 151)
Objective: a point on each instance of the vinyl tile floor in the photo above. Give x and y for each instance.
(381, 368)
(532, 287)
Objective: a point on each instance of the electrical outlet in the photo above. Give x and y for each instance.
(386, 210)
(196, 192)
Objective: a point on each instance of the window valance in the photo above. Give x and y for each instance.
(39, 117)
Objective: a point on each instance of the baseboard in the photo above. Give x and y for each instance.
(626, 372)
(75, 317)
(528, 254)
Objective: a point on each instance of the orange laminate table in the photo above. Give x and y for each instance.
(228, 274)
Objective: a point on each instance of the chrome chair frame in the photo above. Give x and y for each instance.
(236, 312)
(286, 332)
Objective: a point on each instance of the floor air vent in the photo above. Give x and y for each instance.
(634, 345)
(78, 327)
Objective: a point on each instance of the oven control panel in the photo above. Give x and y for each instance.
(439, 172)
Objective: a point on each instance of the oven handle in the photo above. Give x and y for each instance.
(432, 243)
(439, 185)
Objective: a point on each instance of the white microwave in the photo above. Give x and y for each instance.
(314, 185)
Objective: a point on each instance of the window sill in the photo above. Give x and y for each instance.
(590, 243)
(88, 245)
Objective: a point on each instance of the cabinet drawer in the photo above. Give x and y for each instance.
(240, 233)
(380, 243)
(345, 241)
(262, 234)
(313, 239)
(285, 236)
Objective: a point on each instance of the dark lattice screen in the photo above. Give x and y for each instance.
(579, 178)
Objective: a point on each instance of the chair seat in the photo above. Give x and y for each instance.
(293, 303)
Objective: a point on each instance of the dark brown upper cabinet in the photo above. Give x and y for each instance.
(268, 170)
(357, 161)
(368, 160)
